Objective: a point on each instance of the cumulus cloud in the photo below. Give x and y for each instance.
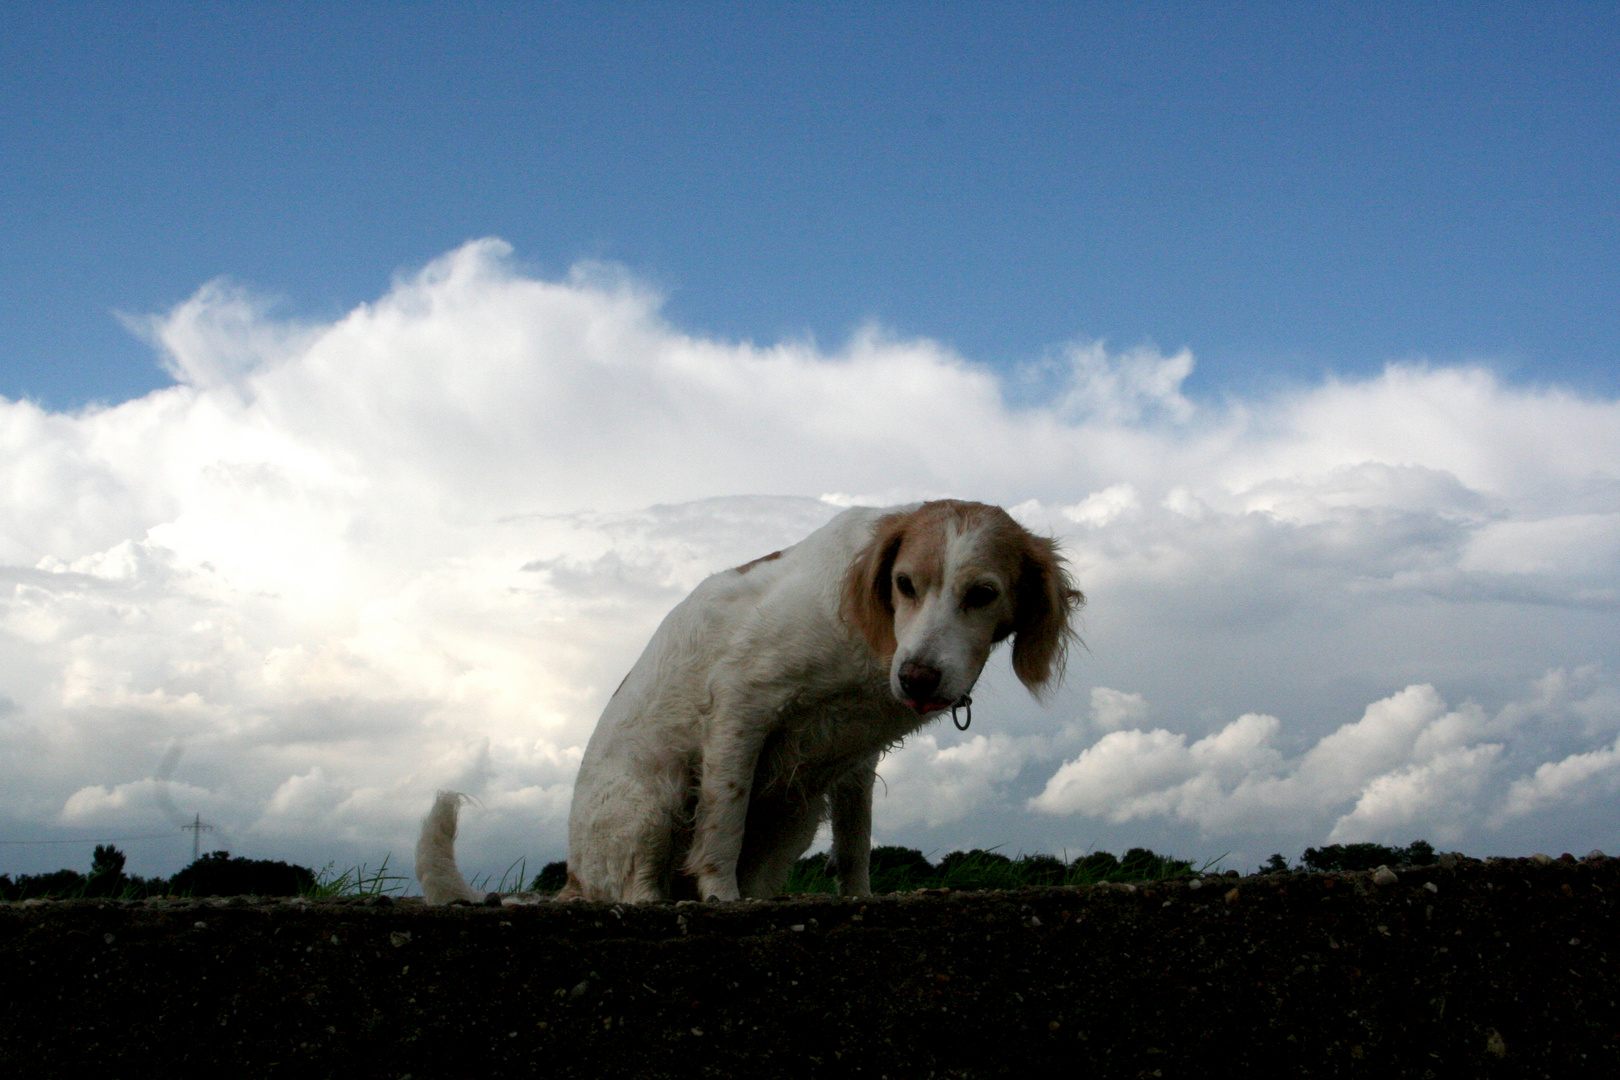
(1410, 764)
(1576, 777)
(932, 783)
(1113, 709)
(101, 805)
(1125, 387)
(343, 564)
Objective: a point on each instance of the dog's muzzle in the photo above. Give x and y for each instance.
(919, 683)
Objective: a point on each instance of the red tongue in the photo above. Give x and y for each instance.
(923, 708)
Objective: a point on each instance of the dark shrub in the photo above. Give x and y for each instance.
(1138, 864)
(107, 873)
(552, 876)
(1368, 856)
(217, 874)
(1097, 866)
(60, 884)
(977, 869)
(1349, 857)
(1041, 870)
(899, 869)
(1142, 864)
(107, 860)
(887, 858)
(107, 879)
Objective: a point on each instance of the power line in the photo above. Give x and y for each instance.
(97, 840)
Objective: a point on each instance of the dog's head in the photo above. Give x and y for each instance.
(938, 586)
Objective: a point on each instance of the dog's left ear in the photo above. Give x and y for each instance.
(1047, 601)
(866, 605)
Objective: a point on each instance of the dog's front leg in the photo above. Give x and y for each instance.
(730, 755)
(851, 800)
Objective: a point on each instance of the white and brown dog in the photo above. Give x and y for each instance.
(763, 702)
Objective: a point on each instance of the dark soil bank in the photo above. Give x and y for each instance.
(1474, 969)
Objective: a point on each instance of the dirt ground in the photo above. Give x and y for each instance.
(1499, 968)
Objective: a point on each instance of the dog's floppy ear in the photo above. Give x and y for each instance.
(867, 605)
(1047, 599)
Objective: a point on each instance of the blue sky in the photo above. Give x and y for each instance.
(1286, 189)
(444, 348)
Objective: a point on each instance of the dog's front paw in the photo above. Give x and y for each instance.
(719, 889)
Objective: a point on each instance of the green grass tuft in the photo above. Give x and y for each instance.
(358, 881)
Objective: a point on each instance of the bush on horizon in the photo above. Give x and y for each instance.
(900, 869)
(213, 874)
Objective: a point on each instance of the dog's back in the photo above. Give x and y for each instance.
(770, 626)
(637, 773)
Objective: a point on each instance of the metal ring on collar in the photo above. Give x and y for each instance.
(965, 703)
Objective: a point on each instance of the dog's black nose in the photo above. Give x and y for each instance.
(919, 681)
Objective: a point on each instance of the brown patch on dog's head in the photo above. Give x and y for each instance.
(867, 605)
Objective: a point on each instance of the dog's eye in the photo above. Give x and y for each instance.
(903, 583)
(979, 595)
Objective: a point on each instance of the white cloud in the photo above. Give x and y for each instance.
(1410, 764)
(926, 783)
(1440, 794)
(147, 799)
(1576, 777)
(1104, 507)
(344, 564)
(1113, 709)
(1136, 773)
(1126, 386)
(1573, 545)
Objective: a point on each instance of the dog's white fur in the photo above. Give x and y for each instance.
(763, 702)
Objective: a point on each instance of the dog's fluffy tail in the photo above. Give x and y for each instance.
(436, 869)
